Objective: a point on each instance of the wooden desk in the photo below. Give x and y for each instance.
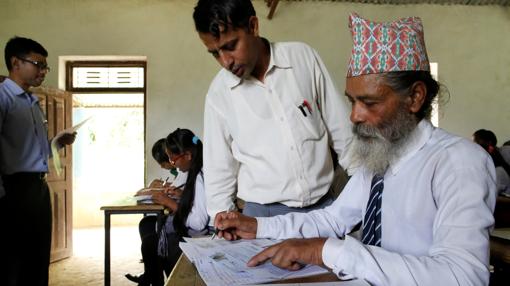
(127, 209)
(185, 273)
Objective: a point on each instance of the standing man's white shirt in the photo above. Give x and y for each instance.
(258, 142)
(437, 207)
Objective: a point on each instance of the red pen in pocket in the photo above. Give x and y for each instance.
(307, 105)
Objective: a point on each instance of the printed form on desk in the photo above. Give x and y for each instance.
(221, 262)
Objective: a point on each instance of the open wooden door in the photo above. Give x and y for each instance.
(57, 106)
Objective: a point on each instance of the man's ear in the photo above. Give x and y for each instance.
(253, 25)
(14, 62)
(418, 95)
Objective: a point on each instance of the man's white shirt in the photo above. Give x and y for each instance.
(437, 207)
(259, 143)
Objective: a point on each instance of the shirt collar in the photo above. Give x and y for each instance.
(276, 60)
(418, 138)
(14, 89)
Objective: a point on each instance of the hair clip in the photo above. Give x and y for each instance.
(195, 139)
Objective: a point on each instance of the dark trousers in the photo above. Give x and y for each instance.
(154, 265)
(25, 223)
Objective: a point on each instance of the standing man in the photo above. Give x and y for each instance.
(271, 115)
(25, 209)
(425, 196)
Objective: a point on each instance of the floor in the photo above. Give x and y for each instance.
(86, 266)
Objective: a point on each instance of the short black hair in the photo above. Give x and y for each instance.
(401, 82)
(20, 47)
(485, 138)
(211, 15)
(158, 151)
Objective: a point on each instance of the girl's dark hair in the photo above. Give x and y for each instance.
(178, 142)
(211, 15)
(158, 151)
(402, 82)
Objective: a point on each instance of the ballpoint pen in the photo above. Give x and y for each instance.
(166, 181)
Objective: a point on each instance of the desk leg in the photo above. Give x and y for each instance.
(107, 248)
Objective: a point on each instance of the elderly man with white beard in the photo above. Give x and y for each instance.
(425, 197)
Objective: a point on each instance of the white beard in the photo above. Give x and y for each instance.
(376, 147)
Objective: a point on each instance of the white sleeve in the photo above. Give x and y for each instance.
(198, 218)
(335, 113)
(220, 167)
(333, 221)
(459, 252)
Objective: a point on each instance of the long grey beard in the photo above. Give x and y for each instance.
(375, 147)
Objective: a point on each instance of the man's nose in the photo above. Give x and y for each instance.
(357, 113)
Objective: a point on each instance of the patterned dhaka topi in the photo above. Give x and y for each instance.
(386, 47)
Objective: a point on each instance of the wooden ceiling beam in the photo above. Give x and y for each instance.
(272, 7)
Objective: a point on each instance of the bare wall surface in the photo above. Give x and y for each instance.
(470, 43)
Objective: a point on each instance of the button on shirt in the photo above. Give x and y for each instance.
(259, 142)
(24, 145)
(437, 209)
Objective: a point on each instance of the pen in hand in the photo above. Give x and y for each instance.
(215, 233)
(216, 230)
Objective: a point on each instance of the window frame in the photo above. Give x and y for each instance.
(104, 64)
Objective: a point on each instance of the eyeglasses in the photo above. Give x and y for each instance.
(40, 65)
(174, 159)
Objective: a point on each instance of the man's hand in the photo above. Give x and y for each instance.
(233, 225)
(66, 139)
(292, 254)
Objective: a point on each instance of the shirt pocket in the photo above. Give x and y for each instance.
(309, 120)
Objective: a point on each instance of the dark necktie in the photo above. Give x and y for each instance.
(372, 222)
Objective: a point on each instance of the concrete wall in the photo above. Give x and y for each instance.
(470, 43)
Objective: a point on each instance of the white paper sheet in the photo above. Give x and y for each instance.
(54, 150)
(221, 262)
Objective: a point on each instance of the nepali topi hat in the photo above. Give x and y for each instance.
(386, 47)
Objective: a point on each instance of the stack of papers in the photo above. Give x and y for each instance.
(221, 262)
